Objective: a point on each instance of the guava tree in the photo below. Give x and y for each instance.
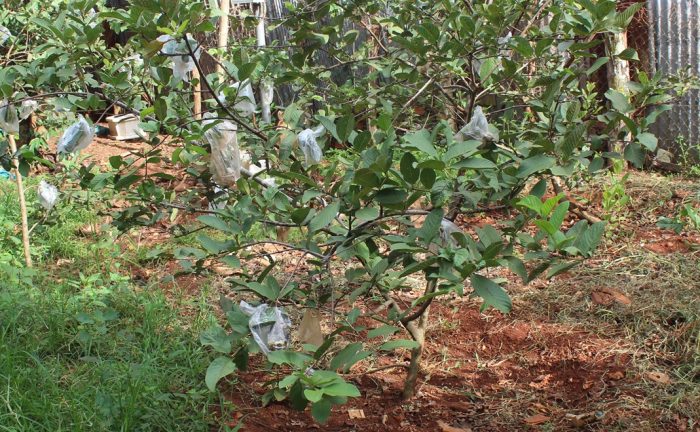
(430, 112)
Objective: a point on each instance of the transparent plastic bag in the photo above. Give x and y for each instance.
(9, 122)
(270, 326)
(179, 54)
(309, 146)
(477, 129)
(48, 195)
(219, 199)
(245, 104)
(5, 34)
(27, 108)
(447, 228)
(225, 161)
(77, 137)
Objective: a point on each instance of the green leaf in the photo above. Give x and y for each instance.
(475, 163)
(618, 100)
(215, 222)
(628, 54)
(409, 172)
(219, 368)
(344, 126)
(381, 331)
(217, 338)
(348, 356)
(535, 164)
(559, 214)
(590, 238)
(648, 140)
(624, 18)
(492, 293)
(399, 343)
(214, 246)
(422, 141)
(367, 214)
(391, 196)
(324, 217)
(531, 202)
(341, 389)
(161, 108)
(321, 410)
(427, 177)
(597, 65)
(635, 154)
(288, 357)
(431, 225)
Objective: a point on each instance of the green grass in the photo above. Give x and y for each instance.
(96, 356)
(82, 348)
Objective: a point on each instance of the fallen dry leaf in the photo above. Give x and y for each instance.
(536, 419)
(659, 377)
(448, 428)
(606, 296)
(617, 375)
(356, 413)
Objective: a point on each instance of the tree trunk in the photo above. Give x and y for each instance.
(618, 79)
(22, 203)
(418, 333)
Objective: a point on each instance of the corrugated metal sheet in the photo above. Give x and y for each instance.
(674, 44)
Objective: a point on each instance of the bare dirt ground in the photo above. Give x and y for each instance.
(612, 345)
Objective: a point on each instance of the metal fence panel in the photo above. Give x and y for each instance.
(674, 45)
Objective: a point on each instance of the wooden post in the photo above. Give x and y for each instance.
(22, 202)
(197, 95)
(265, 87)
(225, 6)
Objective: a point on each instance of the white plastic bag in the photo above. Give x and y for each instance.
(245, 104)
(267, 94)
(4, 34)
(48, 195)
(309, 146)
(477, 128)
(225, 161)
(9, 122)
(179, 54)
(270, 326)
(77, 137)
(27, 108)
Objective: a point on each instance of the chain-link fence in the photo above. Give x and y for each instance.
(674, 46)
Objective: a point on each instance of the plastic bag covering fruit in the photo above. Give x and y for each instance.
(48, 195)
(77, 137)
(225, 162)
(267, 93)
(27, 108)
(477, 128)
(179, 54)
(309, 146)
(270, 326)
(245, 98)
(447, 228)
(9, 122)
(4, 34)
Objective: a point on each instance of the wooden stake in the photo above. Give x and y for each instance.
(197, 95)
(225, 6)
(22, 203)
